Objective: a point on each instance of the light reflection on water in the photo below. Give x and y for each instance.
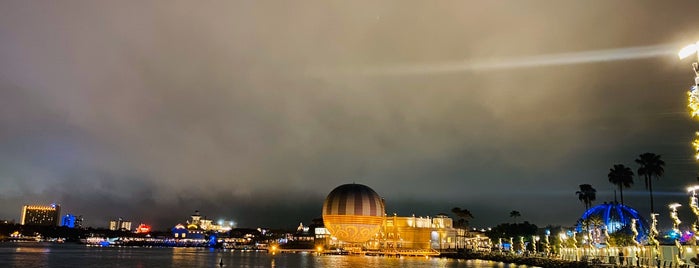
(68, 255)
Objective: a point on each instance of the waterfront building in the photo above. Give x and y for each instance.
(68, 221)
(79, 221)
(417, 233)
(198, 222)
(41, 215)
(72, 221)
(609, 218)
(179, 231)
(354, 218)
(198, 226)
(120, 225)
(143, 228)
(322, 236)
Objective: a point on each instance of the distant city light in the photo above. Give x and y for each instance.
(143, 229)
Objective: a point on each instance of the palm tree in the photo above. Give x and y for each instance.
(650, 166)
(622, 176)
(595, 224)
(464, 215)
(515, 214)
(587, 194)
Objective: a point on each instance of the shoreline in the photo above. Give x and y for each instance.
(515, 259)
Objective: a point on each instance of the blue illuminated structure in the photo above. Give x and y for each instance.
(68, 221)
(616, 217)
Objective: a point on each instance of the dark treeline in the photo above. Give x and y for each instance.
(65, 233)
(507, 230)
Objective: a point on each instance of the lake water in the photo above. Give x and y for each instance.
(69, 255)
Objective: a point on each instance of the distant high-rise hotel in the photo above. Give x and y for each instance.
(41, 215)
(71, 221)
(120, 225)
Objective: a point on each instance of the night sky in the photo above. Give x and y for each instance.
(255, 110)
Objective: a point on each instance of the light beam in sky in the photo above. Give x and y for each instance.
(582, 57)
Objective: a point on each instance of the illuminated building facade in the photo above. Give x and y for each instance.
(179, 231)
(198, 227)
(354, 217)
(408, 233)
(120, 225)
(143, 228)
(41, 215)
(613, 217)
(71, 221)
(417, 233)
(197, 222)
(303, 234)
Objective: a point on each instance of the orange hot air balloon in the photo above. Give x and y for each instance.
(353, 213)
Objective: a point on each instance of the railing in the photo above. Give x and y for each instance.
(642, 256)
(404, 252)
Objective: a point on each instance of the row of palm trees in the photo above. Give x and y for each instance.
(465, 215)
(650, 166)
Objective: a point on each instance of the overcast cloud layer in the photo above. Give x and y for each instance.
(255, 110)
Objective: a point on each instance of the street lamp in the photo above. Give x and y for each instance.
(535, 239)
(675, 219)
(694, 205)
(690, 50)
(676, 229)
(547, 233)
(693, 94)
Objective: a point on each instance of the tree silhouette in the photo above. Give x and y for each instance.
(515, 214)
(622, 176)
(464, 216)
(587, 194)
(594, 224)
(650, 166)
(507, 230)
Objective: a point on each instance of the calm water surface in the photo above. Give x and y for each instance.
(69, 255)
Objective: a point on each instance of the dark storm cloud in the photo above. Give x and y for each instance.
(152, 110)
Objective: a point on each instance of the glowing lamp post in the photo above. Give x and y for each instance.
(694, 205)
(693, 94)
(676, 228)
(546, 250)
(690, 50)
